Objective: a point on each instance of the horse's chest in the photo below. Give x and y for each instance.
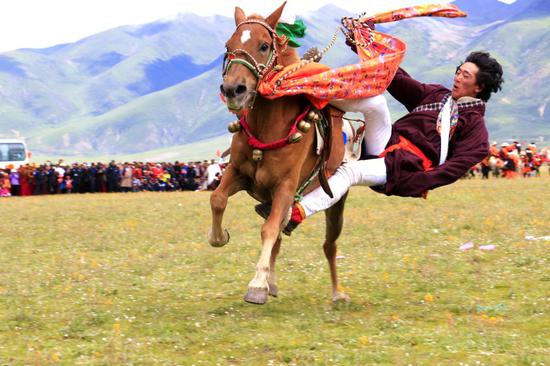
(261, 175)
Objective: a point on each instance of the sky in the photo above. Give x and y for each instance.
(45, 23)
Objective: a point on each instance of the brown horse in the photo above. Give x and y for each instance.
(254, 50)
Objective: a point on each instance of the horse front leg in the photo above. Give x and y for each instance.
(272, 279)
(258, 288)
(231, 183)
(334, 217)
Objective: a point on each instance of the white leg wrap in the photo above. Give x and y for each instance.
(377, 120)
(361, 172)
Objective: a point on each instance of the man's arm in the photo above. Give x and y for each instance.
(407, 90)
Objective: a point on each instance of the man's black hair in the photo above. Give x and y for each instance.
(489, 77)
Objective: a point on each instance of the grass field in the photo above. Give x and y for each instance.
(129, 279)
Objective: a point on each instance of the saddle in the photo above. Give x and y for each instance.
(337, 141)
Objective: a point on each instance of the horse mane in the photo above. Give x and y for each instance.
(287, 55)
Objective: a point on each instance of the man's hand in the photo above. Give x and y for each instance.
(349, 41)
(350, 38)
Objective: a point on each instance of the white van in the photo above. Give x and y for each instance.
(13, 153)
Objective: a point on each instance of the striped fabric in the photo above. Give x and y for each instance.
(439, 105)
(466, 103)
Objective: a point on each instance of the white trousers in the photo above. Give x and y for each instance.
(377, 120)
(362, 172)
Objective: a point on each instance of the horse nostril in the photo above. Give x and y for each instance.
(240, 89)
(228, 91)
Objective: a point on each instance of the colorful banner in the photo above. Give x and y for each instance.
(378, 64)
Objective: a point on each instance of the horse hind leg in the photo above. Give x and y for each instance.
(334, 217)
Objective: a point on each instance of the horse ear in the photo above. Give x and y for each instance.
(275, 16)
(239, 15)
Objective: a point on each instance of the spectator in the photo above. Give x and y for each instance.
(126, 178)
(215, 182)
(39, 180)
(66, 185)
(113, 177)
(92, 178)
(5, 186)
(51, 179)
(15, 182)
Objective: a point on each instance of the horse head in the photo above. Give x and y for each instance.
(252, 51)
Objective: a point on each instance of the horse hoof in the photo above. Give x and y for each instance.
(273, 290)
(218, 243)
(340, 298)
(256, 296)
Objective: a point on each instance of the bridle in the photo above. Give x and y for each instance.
(258, 69)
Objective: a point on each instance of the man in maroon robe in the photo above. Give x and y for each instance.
(435, 144)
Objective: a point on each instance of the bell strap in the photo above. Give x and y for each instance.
(254, 143)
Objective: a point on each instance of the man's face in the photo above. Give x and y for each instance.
(465, 83)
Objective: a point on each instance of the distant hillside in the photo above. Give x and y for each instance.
(135, 89)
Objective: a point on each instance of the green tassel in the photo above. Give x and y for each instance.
(292, 31)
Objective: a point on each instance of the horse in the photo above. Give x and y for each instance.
(273, 175)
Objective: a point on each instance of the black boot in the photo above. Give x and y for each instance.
(264, 209)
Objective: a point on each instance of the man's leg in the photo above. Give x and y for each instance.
(377, 120)
(361, 172)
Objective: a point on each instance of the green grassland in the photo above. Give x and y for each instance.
(129, 279)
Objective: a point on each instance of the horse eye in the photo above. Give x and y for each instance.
(264, 47)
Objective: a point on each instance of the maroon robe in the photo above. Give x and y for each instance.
(468, 145)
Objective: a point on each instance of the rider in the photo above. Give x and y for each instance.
(414, 156)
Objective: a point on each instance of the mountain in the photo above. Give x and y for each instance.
(488, 11)
(135, 89)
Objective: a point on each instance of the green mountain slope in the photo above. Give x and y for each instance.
(135, 89)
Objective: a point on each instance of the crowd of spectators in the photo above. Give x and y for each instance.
(510, 160)
(62, 178)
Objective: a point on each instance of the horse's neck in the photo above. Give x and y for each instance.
(289, 56)
(271, 120)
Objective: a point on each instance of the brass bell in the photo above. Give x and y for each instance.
(257, 155)
(311, 116)
(231, 128)
(234, 127)
(295, 137)
(304, 126)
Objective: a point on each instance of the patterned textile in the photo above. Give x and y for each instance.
(378, 64)
(470, 102)
(431, 10)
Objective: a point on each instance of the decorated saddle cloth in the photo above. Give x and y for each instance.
(380, 56)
